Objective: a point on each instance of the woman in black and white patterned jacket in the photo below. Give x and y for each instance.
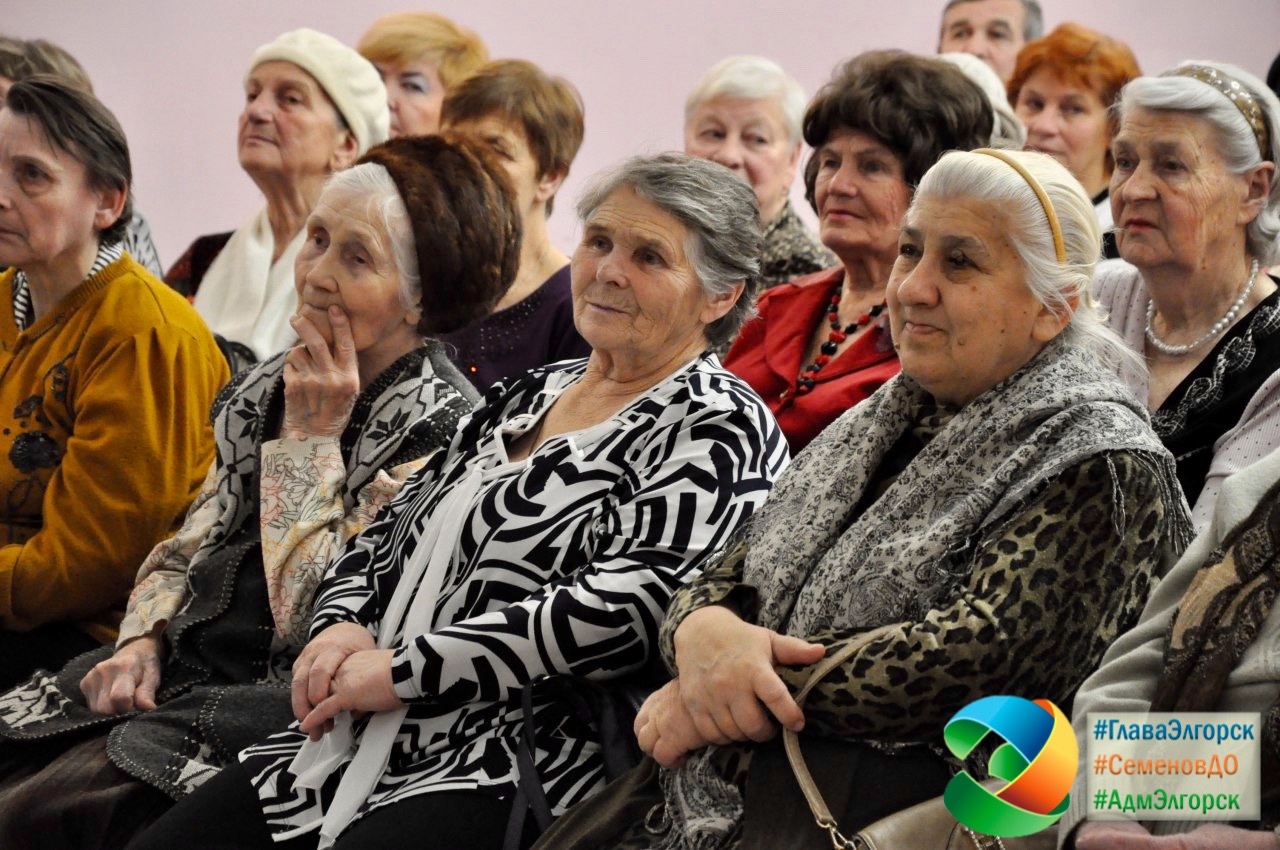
(548, 540)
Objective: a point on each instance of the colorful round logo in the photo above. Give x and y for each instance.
(1037, 763)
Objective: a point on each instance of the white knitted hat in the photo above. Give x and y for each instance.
(350, 80)
(1008, 132)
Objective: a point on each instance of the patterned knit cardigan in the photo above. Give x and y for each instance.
(225, 679)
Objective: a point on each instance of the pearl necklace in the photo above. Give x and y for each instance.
(1218, 326)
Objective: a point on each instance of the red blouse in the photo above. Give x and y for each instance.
(767, 354)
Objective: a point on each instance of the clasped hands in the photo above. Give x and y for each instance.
(341, 669)
(727, 687)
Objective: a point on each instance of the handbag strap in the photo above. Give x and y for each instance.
(791, 741)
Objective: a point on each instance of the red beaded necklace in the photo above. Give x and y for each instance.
(837, 335)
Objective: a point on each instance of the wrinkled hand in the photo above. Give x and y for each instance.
(126, 681)
(665, 729)
(320, 384)
(318, 663)
(727, 676)
(1126, 835)
(362, 684)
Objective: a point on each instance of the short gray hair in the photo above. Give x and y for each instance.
(716, 208)
(1236, 141)
(1056, 285)
(1032, 17)
(372, 183)
(752, 78)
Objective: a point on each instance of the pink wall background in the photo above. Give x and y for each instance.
(172, 69)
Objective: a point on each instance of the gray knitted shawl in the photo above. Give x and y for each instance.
(817, 566)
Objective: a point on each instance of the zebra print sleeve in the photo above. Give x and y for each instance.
(702, 468)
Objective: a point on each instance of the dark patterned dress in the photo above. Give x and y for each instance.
(560, 563)
(791, 250)
(1225, 415)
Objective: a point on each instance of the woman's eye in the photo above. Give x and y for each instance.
(958, 261)
(652, 258)
(597, 243)
(908, 249)
(712, 135)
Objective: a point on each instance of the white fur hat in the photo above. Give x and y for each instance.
(350, 80)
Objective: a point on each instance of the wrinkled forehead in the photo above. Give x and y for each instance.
(351, 213)
(979, 13)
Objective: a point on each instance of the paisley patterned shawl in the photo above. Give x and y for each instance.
(817, 566)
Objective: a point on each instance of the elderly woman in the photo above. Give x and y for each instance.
(1170, 661)
(1197, 210)
(546, 541)
(1062, 89)
(312, 106)
(311, 442)
(1001, 506)
(107, 380)
(533, 122)
(420, 57)
(20, 59)
(820, 344)
(745, 114)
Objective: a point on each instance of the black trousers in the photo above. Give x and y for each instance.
(48, 648)
(225, 813)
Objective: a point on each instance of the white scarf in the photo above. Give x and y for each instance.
(412, 606)
(247, 298)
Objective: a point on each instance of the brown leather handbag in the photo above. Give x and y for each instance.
(926, 826)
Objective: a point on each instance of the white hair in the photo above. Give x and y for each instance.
(752, 78)
(1236, 140)
(372, 182)
(1062, 287)
(1007, 131)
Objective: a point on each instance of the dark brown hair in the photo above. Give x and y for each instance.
(466, 227)
(916, 106)
(76, 122)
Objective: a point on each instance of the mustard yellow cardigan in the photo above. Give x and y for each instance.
(104, 440)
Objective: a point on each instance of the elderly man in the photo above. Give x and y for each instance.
(992, 30)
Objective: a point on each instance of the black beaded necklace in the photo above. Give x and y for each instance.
(837, 335)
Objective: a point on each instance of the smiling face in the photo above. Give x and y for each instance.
(992, 30)
(636, 296)
(50, 216)
(347, 261)
(748, 137)
(1068, 122)
(289, 127)
(1174, 201)
(962, 316)
(414, 96)
(860, 195)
